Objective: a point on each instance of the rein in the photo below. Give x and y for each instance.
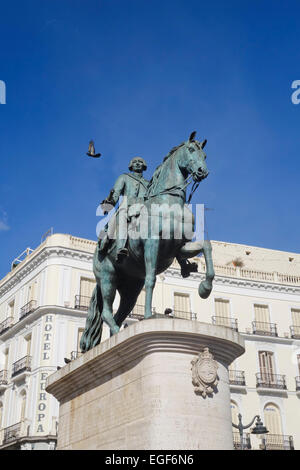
(181, 188)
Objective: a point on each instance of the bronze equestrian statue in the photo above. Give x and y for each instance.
(143, 250)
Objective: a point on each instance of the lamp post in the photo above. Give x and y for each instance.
(259, 427)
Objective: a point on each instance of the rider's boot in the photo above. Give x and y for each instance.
(187, 268)
(121, 255)
(103, 243)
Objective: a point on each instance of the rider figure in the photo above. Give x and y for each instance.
(132, 186)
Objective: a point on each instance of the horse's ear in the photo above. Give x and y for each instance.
(192, 136)
(202, 145)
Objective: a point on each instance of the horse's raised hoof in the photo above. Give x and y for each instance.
(205, 289)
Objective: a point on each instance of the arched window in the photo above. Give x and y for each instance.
(23, 405)
(272, 417)
(234, 412)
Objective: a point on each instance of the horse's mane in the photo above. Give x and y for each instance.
(158, 169)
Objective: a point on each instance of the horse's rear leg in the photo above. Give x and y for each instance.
(129, 292)
(150, 255)
(108, 290)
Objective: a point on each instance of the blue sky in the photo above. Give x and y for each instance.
(138, 77)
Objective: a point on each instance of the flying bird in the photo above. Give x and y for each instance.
(91, 150)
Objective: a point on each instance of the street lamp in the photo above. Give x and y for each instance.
(259, 427)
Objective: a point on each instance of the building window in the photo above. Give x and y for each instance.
(262, 314)
(222, 308)
(86, 287)
(266, 363)
(296, 317)
(181, 303)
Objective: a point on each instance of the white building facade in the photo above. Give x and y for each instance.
(43, 304)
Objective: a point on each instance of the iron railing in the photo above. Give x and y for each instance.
(7, 323)
(184, 315)
(295, 331)
(297, 379)
(278, 442)
(3, 377)
(82, 302)
(237, 441)
(28, 308)
(12, 433)
(138, 312)
(226, 321)
(267, 380)
(75, 354)
(237, 377)
(21, 365)
(265, 329)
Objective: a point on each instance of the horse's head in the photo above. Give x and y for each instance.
(193, 158)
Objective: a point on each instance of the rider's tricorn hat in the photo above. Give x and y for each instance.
(140, 158)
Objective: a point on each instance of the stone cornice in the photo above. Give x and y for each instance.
(38, 259)
(139, 340)
(239, 282)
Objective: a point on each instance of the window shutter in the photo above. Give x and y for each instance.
(222, 308)
(86, 287)
(182, 302)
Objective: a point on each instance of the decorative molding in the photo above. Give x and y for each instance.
(45, 254)
(239, 282)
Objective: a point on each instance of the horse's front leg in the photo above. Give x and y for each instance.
(150, 256)
(205, 287)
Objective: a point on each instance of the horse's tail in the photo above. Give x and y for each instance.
(94, 323)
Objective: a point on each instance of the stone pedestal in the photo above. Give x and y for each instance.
(135, 390)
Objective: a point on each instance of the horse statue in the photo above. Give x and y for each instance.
(152, 252)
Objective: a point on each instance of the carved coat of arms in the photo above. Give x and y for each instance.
(204, 371)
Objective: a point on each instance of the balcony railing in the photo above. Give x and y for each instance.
(82, 302)
(3, 377)
(12, 433)
(226, 321)
(184, 315)
(297, 379)
(266, 329)
(295, 331)
(266, 380)
(28, 308)
(75, 354)
(237, 377)
(7, 323)
(278, 442)
(21, 365)
(237, 441)
(138, 312)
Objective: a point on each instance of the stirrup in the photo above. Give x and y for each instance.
(187, 268)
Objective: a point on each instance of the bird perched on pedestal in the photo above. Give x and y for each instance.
(91, 151)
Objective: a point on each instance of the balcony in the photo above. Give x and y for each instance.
(278, 442)
(237, 377)
(226, 321)
(265, 329)
(6, 324)
(28, 308)
(274, 381)
(75, 355)
(21, 367)
(295, 331)
(184, 315)
(82, 302)
(3, 380)
(12, 433)
(237, 441)
(139, 311)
